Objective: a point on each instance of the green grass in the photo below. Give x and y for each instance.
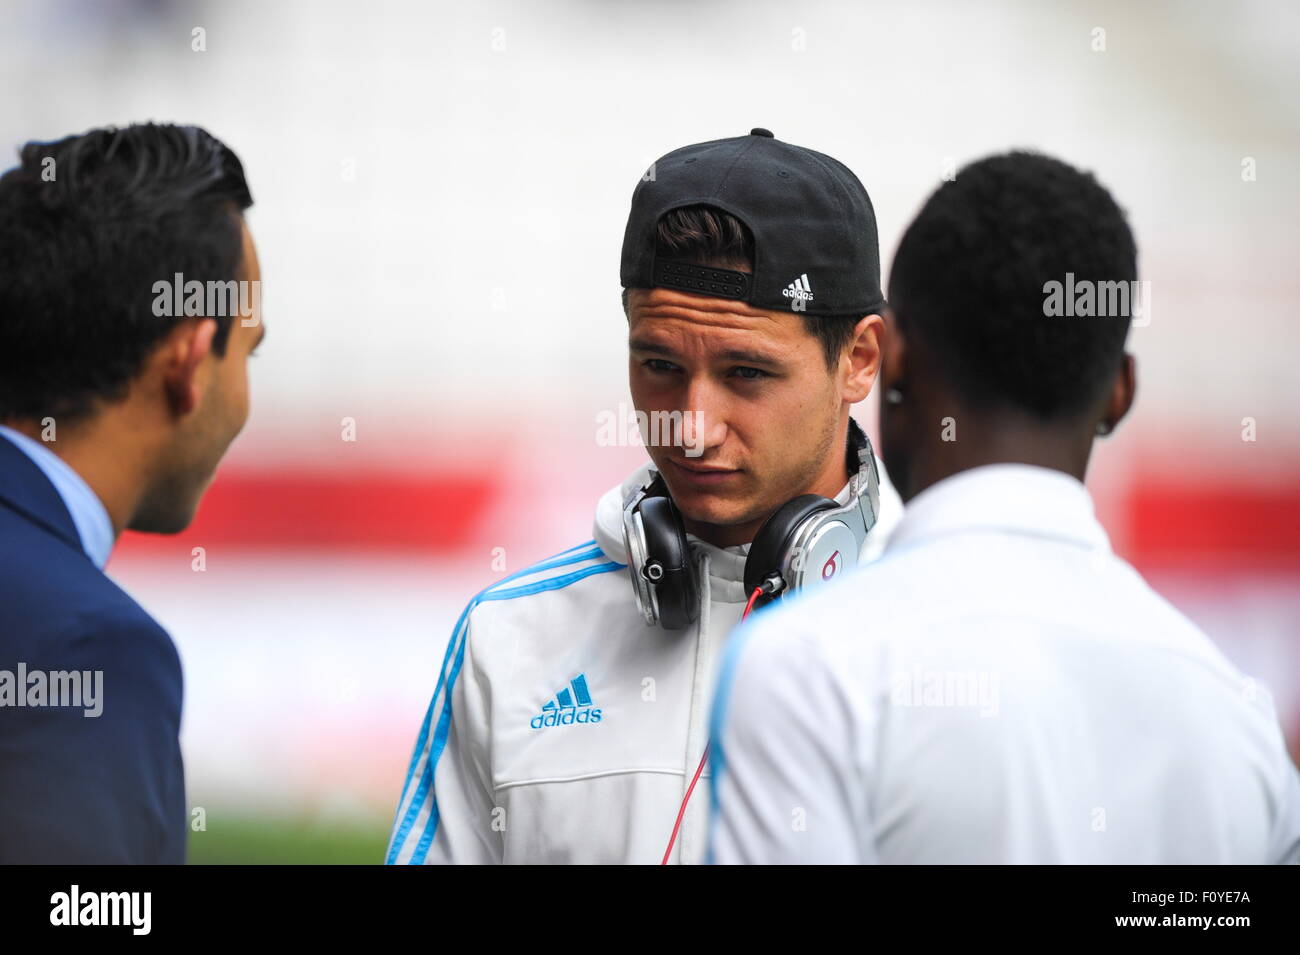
(271, 840)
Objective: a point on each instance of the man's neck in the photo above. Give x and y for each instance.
(999, 440)
(110, 475)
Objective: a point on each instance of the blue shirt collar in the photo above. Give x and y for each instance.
(87, 511)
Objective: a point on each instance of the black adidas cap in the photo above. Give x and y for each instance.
(815, 247)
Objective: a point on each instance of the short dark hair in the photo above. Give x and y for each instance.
(88, 225)
(971, 273)
(706, 235)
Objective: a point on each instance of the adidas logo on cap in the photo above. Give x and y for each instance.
(568, 707)
(799, 289)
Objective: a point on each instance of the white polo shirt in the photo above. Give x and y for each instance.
(998, 687)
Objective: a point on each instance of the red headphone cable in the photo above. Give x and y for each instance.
(758, 592)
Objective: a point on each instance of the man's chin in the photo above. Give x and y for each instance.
(152, 524)
(713, 510)
(729, 504)
(159, 518)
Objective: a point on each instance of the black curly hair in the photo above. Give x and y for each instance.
(88, 224)
(971, 276)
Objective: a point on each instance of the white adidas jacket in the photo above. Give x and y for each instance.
(564, 730)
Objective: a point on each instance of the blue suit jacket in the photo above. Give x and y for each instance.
(78, 789)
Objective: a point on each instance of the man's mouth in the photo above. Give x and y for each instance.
(703, 474)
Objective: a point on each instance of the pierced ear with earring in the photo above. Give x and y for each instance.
(1103, 428)
(893, 396)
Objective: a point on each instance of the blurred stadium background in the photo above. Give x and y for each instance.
(440, 196)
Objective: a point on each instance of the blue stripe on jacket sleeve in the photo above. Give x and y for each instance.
(457, 641)
(559, 560)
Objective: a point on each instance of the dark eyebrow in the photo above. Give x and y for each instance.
(654, 348)
(751, 357)
(734, 354)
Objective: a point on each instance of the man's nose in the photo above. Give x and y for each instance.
(704, 419)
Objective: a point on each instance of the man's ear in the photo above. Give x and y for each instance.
(182, 355)
(1122, 392)
(863, 357)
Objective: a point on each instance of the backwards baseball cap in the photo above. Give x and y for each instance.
(815, 247)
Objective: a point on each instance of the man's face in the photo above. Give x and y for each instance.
(203, 436)
(763, 408)
(230, 383)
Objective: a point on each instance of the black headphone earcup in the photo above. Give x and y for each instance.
(777, 534)
(677, 591)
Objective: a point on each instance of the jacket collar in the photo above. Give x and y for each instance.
(1007, 498)
(24, 489)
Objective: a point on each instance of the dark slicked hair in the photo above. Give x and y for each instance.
(88, 225)
(969, 278)
(705, 235)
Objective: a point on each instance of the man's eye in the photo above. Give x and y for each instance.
(659, 364)
(750, 374)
